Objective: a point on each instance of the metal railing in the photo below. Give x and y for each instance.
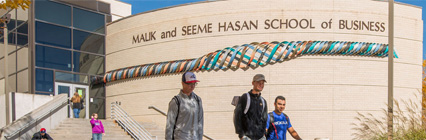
(165, 114)
(133, 128)
(23, 124)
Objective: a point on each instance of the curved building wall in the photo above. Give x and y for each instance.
(323, 92)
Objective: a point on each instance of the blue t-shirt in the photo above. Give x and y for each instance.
(281, 123)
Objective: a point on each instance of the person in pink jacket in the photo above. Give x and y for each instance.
(97, 127)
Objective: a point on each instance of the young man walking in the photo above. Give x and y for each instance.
(185, 114)
(251, 112)
(278, 123)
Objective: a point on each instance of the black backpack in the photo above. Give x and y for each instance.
(272, 127)
(235, 101)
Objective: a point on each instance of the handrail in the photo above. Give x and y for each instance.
(128, 125)
(62, 102)
(121, 123)
(132, 127)
(164, 114)
(158, 110)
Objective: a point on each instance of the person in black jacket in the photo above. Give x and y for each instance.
(42, 135)
(250, 123)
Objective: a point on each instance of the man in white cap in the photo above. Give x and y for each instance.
(185, 114)
(251, 112)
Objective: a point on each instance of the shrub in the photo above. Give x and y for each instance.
(407, 123)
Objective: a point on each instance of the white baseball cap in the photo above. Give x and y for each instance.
(189, 77)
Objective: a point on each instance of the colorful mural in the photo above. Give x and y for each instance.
(249, 55)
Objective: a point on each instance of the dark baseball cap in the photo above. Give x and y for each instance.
(259, 77)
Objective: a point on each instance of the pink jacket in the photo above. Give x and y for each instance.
(97, 126)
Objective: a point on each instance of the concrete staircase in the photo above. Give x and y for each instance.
(154, 129)
(80, 129)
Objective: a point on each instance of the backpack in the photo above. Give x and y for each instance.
(273, 128)
(176, 98)
(236, 99)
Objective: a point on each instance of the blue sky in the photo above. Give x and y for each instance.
(146, 5)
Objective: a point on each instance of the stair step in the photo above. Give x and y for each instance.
(85, 120)
(81, 129)
(62, 132)
(88, 123)
(89, 128)
(154, 129)
(86, 137)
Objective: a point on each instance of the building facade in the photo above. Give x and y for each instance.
(326, 57)
(54, 47)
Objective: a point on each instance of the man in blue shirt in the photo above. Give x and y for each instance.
(280, 122)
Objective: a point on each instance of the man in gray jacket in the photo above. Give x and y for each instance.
(185, 114)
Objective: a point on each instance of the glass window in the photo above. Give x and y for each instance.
(75, 78)
(41, 93)
(88, 63)
(22, 39)
(64, 90)
(98, 106)
(89, 21)
(11, 24)
(97, 91)
(88, 42)
(53, 35)
(11, 38)
(53, 58)
(22, 15)
(78, 78)
(61, 76)
(12, 78)
(44, 80)
(53, 12)
(22, 80)
(23, 28)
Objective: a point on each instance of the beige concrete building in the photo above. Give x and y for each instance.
(323, 92)
(119, 9)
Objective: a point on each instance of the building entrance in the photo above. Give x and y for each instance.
(70, 89)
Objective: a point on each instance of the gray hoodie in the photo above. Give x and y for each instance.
(190, 121)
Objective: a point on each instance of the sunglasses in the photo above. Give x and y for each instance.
(192, 84)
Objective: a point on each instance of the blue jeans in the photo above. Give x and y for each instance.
(97, 136)
(76, 112)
